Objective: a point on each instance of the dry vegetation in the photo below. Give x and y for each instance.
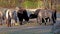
(30, 3)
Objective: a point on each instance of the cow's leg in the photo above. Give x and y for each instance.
(26, 19)
(53, 21)
(40, 20)
(15, 20)
(9, 22)
(37, 19)
(20, 22)
(48, 19)
(45, 21)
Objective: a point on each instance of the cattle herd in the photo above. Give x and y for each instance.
(41, 15)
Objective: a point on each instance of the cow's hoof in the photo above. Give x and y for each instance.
(45, 23)
(40, 23)
(21, 24)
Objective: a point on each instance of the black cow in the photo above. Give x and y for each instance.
(22, 14)
(25, 15)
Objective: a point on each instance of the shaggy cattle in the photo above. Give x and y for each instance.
(8, 17)
(44, 15)
(22, 14)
